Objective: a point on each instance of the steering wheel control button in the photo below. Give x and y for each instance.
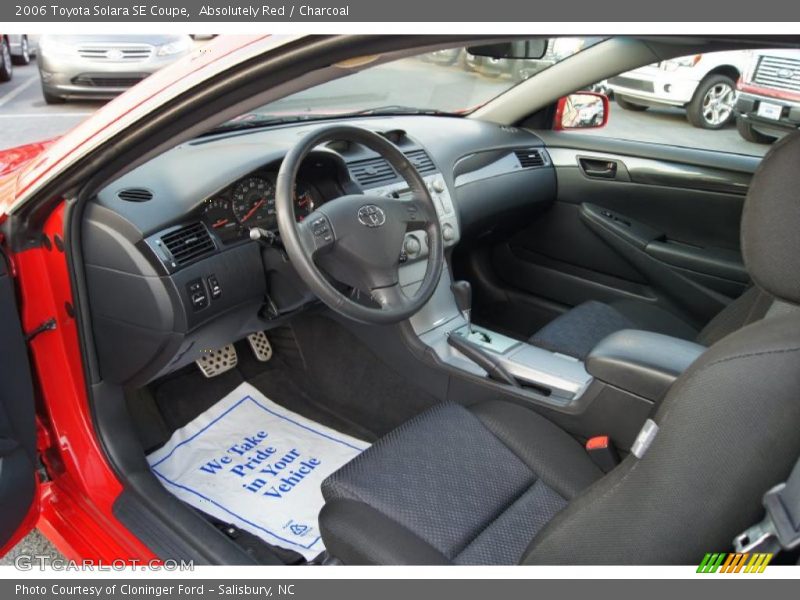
(197, 294)
(214, 287)
(371, 215)
(322, 231)
(448, 232)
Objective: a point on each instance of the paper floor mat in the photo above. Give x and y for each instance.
(256, 465)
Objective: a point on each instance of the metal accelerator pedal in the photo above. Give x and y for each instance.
(216, 362)
(260, 345)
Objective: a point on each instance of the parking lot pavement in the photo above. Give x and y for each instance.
(669, 126)
(34, 544)
(24, 115)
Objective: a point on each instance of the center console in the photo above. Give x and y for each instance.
(557, 377)
(618, 387)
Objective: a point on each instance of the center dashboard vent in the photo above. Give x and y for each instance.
(530, 158)
(421, 160)
(375, 171)
(187, 244)
(135, 195)
(372, 171)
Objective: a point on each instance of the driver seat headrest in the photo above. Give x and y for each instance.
(771, 222)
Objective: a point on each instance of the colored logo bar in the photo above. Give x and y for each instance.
(734, 562)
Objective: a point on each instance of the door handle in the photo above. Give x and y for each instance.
(599, 168)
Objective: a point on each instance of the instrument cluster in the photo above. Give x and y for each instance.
(250, 202)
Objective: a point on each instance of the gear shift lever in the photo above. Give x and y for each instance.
(462, 291)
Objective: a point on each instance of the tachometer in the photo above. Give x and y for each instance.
(218, 216)
(253, 200)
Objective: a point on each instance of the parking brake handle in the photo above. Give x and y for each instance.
(483, 359)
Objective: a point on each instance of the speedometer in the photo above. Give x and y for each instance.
(253, 200)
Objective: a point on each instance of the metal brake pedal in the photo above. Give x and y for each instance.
(260, 345)
(216, 362)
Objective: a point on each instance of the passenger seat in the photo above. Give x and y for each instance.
(577, 332)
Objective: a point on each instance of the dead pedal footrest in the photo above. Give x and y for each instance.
(215, 362)
(260, 345)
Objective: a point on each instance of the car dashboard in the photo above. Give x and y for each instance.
(170, 264)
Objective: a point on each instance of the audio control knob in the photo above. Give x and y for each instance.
(438, 185)
(412, 246)
(448, 232)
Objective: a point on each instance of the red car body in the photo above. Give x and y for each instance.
(72, 507)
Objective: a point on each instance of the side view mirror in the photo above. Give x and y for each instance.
(581, 110)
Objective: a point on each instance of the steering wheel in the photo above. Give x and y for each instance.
(357, 238)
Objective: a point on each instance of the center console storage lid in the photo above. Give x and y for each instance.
(641, 362)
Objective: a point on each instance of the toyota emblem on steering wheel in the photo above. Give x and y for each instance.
(371, 215)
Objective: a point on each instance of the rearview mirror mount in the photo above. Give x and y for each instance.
(517, 49)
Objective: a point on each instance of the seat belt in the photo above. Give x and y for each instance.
(780, 529)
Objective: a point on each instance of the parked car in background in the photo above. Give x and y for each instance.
(6, 66)
(446, 57)
(703, 84)
(768, 105)
(522, 69)
(23, 47)
(99, 67)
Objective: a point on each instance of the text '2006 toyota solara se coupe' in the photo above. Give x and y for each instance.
(333, 300)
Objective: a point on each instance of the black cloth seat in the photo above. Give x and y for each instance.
(467, 486)
(498, 484)
(579, 330)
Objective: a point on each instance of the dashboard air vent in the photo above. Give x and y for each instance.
(421, 160)
(372, 171)
(135, 195)
(529, 158)
(189, 243)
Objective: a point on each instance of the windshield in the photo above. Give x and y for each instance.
(451, 81)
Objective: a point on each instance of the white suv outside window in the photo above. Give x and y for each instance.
(703, 84)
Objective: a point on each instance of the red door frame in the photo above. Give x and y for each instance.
(75, 505)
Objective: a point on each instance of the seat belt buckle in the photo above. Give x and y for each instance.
(780, 529)
(602, 452)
